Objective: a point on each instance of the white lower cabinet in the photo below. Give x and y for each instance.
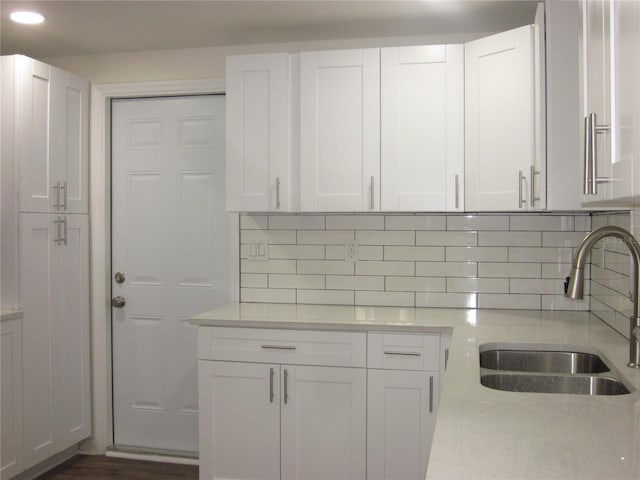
(11, 452)
(299, 404)
(401, 414)
(54, 283)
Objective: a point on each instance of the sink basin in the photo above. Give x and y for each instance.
(542, 361)
(584, 385)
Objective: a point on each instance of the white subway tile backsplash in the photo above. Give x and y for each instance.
(278, 280)
(447, 300)
(355, 282)
(326, 297)
(326, 267)
(509, 239)
(509, 270)
(269, 266)
(435, 260)
(390, 299)
(366, 237)
(540, 255)
(478, 222)
(424, 254)
(254, 280)
(416, 222)
(477, 254)
(451, 239)
(446, 269)
(281, 237)
(536, 285)
(312, 252)
(355, 222)
(267, 295)
(385, 268)
(296, 222)
(562, 239)
(253, 222)
(324, 237)
(509, 301)
(478, 285)
(540, 223)
(416, 284)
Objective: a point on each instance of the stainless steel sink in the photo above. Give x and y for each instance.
(582, 385)
(539, 368)
(542, 361)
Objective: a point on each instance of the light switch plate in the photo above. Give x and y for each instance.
(258, 251)
(350, 251)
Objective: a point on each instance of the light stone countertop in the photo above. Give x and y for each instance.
(483, 433)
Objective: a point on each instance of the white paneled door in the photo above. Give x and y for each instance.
(169, 261)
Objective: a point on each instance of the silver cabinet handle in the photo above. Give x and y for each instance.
(64, 221)
(286, 386)
(594, 129)
(533, 197)
(58, 238)
(373, 205)
(430, 394)
(521, 178)
(279, 347)
(446, 358)
(457, 192)
(64, 197)
(277, 193)
(587, 155)
(56, 187)
(271, 394)
(406, 354)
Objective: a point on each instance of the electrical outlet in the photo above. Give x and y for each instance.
(258, 251)
(350, 251)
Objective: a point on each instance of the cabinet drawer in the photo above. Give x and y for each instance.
(298, 347)
(403, 351)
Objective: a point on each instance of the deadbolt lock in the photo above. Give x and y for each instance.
(118, 302)
(119, 277)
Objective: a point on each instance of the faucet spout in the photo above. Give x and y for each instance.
(575, 287)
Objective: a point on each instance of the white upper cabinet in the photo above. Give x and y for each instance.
(261, 124)
(625, 164)
(503, 157)
(597, 99)
(52, 132)
(340, 130)
(422, 123)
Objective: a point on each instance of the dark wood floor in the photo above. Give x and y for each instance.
(97, 467)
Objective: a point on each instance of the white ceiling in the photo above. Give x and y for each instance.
(85, 27)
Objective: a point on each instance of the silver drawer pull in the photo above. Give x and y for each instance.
(430, 394)
(279, 347)
(406, 354)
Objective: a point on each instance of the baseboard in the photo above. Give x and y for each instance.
(120, 452)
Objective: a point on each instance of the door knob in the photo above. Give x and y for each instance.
(118, 302)
(119, 277)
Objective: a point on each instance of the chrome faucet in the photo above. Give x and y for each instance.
(575, 286)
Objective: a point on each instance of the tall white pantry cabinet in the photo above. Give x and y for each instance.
(49, 155)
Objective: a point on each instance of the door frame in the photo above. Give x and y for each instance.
(100, 238)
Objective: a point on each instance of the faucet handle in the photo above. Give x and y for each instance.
(566, 284)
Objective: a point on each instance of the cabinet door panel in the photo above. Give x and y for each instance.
(70, 300)
(399, 423)
(11, 440)
(33, 90)
(422, 124)
(239, 420)
(323, 422)
(37, 234)
(69, 140)
(340, 130)
(259, 133)
(500, 120)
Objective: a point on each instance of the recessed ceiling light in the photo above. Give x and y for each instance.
(29, 18)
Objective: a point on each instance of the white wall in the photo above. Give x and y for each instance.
(209, 62)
